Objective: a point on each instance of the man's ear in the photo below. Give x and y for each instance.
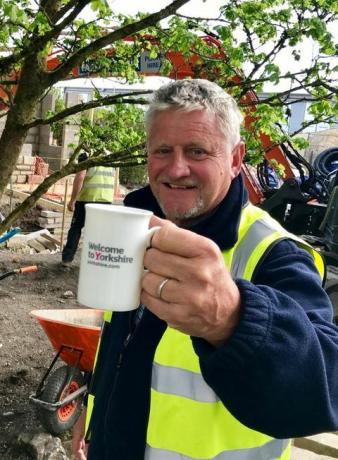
(237, 159)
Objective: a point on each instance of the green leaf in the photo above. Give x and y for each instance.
(11, 10)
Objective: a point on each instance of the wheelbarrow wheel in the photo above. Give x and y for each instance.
(62, 419)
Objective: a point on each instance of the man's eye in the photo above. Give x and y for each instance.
(163, 151)
(197, 153)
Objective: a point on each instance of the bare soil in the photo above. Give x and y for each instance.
(25, 350)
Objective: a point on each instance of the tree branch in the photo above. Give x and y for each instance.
(128, 30)
(41, 41)
(64, 10)
(311, 123)
(109, 100)
(37, 44)
(276, 48)
(70, 168)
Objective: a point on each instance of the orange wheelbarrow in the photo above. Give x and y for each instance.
(74, 334)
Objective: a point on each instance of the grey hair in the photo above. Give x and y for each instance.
(188, 95)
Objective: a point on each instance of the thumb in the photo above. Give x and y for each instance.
(157, 222)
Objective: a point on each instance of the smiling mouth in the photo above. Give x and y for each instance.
(179, 187)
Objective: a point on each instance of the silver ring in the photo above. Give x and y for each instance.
(161, 286)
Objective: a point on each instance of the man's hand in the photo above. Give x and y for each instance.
(71, 206)
(200, 298)
(79, 447)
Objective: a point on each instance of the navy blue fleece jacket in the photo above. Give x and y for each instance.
(277, 374)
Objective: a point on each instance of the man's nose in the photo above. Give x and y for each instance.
(178, 165)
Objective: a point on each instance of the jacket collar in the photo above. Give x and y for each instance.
(221, 226)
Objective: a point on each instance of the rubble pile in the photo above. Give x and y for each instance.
(41, 241)
(52, 220)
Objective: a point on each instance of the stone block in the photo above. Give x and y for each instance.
(31, 139)
(42, 445)
(47, 243)
(51, 238)
(73, 99)
(46, 213)
(21, 178)
(44, 136)
(29, 160)
(17, 241)
(27, 168)
(36, 245)
(43, 221)
(26, 149)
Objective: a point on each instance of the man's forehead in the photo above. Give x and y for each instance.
(179, 112)
(190, 127)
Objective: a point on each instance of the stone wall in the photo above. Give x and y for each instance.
(57, 155)
(39, 140)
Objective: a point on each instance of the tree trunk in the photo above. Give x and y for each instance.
(30, 89)
(11, 142)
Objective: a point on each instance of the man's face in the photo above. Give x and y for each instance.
(190, 163)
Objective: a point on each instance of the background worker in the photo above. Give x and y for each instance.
(93, 186)
(232, 350)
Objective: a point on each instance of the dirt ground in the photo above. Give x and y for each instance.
(25, 350)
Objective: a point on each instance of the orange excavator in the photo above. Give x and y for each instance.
(257, 183)
(182, 68)
(302, 200)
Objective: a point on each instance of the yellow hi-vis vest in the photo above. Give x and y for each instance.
(187, 420)
(98, 185)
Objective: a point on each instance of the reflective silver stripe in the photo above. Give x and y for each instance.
(272, 450)
(97, 186)
(259, 230)
(180, 382)
(99, 173)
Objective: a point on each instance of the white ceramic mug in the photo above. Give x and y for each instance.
(115, 240)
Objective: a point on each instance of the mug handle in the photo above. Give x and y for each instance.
(150, 235)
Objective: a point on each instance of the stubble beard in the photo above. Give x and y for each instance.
(184, 217)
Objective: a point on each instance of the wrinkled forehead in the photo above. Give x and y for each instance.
(159, 117)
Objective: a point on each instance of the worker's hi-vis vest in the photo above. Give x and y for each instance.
(98, 185)
(187, 419)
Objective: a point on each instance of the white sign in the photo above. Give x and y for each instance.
(149, 65)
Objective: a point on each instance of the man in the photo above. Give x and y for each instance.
(233, 345)
(93, 186)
